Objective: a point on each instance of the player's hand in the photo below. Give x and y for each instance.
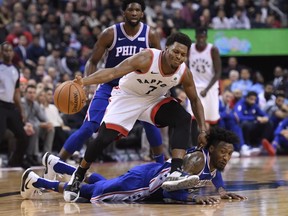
(202, 139)
(206, 200)
(233, 196)
(203, 93)
(79, 80)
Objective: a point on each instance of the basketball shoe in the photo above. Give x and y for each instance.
(27, 190)
(72, 190)
(49, 160)
(179, 180)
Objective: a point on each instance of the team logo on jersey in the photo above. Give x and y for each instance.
(127, 50)
(200, 65)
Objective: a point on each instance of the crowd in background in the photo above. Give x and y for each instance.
(53, 40)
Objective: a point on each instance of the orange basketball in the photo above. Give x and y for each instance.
(69, 97)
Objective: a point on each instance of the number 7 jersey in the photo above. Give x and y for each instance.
(153, 82)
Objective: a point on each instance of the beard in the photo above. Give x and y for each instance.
(133, 24)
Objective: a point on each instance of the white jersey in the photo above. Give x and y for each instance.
(201, 66)
(140, 95)
(154, 82)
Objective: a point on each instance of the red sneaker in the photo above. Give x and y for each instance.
(268, 147)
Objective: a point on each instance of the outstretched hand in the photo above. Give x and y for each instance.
(206, 200)
(79, 80)
(232, 196)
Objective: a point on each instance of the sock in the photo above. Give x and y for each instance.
(47, 184)
(64, 168)
(80, 172)
(159, 158)
(176, 164)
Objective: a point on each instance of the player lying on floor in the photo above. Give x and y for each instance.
(144, 181)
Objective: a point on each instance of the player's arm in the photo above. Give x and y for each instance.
(104, 41)
(140, 62)
(184, 195)
(219, 184)
(217, 68)
(154, 39)
(196, 105)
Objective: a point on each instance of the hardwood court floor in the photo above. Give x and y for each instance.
(264, 180)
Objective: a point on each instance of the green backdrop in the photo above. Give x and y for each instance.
(253, 42)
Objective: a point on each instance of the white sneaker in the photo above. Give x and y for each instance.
(27, 190)
(49, 160)
(255, 151)
(179, 180)
(235, 154)
(245, 151)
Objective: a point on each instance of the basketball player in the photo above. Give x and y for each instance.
(205, 65)
(10, 106)
(141, 95)
(119, 41)
(144, 181)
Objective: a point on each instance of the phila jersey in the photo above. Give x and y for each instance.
(201, 66)
(153, 82)
(205, 175)
(9, 81)
(124, 46)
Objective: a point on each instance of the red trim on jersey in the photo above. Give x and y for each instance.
(209, 122)
(157, 107)
(118, 128)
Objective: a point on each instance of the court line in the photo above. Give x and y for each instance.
(9, 194)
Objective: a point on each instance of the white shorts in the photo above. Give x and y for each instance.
(210, 104)
(125, 109)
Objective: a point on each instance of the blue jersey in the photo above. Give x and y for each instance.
(124, 46)
(205, 175)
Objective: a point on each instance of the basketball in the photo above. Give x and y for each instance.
(69, 97)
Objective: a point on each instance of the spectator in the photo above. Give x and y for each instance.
(34, 51)
(240, 20)
(278, 77)
(244, 84)
(220, 21)
(43, 129)
(277, 111)
(17, 31)
(45, 99)
(232, 65)
(252, 121)
(265, 98)
(229, 121)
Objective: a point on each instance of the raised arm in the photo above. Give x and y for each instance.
(197, 108)
(104, 41)
(154, 39)
(140, 62)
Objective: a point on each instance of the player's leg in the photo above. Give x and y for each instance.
(32, 185)
(91, 123)
(155, 140)
(104, 138)
(172, 114)
(53, 165)
(76, 140)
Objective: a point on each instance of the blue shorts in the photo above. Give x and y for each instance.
(100, 101)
